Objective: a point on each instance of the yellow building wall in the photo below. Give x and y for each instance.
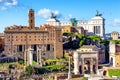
(117, 60)
(66, 29)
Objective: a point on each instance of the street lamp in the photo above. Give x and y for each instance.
(69, 72)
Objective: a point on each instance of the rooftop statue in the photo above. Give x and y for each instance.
(53, 15)
(98, 14)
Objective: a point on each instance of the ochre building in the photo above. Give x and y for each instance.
(46, 38)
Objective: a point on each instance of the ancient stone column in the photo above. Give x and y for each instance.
(25, 56)
(83, 66)
(76, 63)
(96, 65)
(30, 54)
(91, 65)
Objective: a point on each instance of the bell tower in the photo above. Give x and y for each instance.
(31, 20)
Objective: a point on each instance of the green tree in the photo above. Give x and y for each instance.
(80, 36)
(104, 42)
(29, 70)
(81, 43)
(116, 41)
(71, 34)
(21, 62)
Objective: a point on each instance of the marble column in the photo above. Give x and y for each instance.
(39, 57)
(25, 56)
(30, 54)
(83, 66)
(91, 65)
(96, 65)
(76, 63)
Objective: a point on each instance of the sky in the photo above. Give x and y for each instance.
(15, 12)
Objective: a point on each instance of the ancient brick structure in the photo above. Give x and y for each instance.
(46, 38)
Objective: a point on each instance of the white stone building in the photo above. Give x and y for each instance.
(94, 26)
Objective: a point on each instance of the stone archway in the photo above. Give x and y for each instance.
(87, 66)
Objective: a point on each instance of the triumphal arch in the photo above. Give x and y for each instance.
(86, 60)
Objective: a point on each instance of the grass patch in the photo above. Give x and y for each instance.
(34, 62)
(82, 78)
(115, 72)
(6, 65)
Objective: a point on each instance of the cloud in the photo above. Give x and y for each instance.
(11, 2)
(3, 8)
(46, 13)
(7, 3)
(68, 17)
(116, 22)
(1, 1)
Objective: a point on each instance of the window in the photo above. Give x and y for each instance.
(31, 15)
(34, 47)
(20, 48)
(48, 47)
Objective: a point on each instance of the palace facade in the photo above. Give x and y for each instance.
(46, 38)
(95, 26)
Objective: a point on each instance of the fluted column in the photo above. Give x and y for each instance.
(76, 63)
(30, 57)
(91, 65)
(96, 65)
(25, 56)
(83, 66)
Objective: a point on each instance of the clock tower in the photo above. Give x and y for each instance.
(31, 19)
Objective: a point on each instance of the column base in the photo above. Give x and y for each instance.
(69, 75)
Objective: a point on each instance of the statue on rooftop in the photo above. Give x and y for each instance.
(53, 15)
(98, 14)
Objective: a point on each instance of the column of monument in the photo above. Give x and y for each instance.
(82, 65)
(91, 65)
(30, 52)
(96, 65)
(25, 56)
(76, 63)
(39, 56)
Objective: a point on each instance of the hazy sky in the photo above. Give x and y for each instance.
(14, 12)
